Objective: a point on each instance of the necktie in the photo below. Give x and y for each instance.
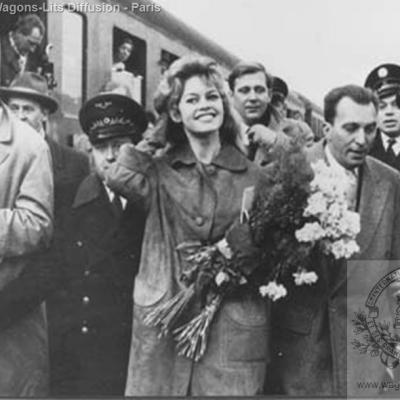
(117, 206)
(22, 64)
(390, 155)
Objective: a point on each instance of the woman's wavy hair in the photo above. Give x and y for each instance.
(170, 89)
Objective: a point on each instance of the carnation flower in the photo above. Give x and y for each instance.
(273, 290)
(305, 278)
(310, 232)
(343, 248)
(224, 249)
(352, 223)
(317, 204)
(328, 181)
(221, 277)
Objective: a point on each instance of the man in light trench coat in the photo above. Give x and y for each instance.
(26, 208)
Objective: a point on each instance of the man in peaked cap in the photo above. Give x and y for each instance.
(90, 315)
(384, 80)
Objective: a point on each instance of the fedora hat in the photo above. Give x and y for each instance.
(32, 86)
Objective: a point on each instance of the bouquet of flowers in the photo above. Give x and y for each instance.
(210, 270)
(299, 208)
(303, 209)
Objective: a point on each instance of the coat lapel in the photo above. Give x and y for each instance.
(373, 197)
(374, 192)
(6, 132)
(56, 155)
(372, 203)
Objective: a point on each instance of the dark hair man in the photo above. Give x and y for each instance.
(250, 86)
(20, 48)
(310, 336)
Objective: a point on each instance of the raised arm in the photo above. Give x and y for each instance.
(131, 175)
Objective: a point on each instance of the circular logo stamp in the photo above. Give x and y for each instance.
(377, 337)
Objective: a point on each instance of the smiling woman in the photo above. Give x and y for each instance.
(192, 193)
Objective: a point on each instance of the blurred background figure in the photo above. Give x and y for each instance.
(123, 54)
(20, 48)
(122, 75)
(278, 105)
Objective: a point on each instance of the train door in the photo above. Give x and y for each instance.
(68, 37)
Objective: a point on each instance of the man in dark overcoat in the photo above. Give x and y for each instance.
(312, 325)
(90, 315)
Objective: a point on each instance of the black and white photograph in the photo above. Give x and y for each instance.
(199, 198)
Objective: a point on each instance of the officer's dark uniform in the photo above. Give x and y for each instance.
(384, 80)
(90, 315)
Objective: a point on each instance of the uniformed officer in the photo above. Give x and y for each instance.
(384, 80)
(90, 315)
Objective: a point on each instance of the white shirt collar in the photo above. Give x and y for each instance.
(385, 142)
(111, 195)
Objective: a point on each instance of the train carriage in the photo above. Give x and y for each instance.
(81, 38)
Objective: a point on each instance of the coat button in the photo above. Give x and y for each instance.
(84, 330)
(86, 272)
(333, 309)
(199, 221)
(79, 243)
(86, 299)
(211, 169)
(280, 354)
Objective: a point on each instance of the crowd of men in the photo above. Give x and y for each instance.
(70, 246)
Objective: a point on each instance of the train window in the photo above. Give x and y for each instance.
(166, 60)
(72, 61)
(129, 62)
